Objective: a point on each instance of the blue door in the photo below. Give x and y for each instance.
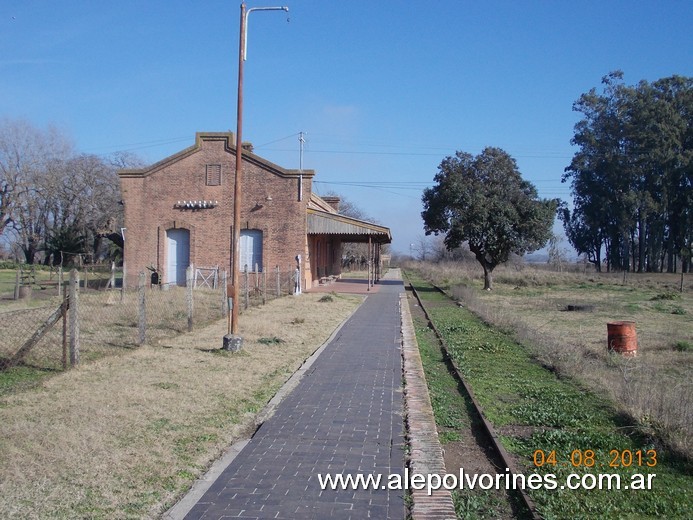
(178, 255)
(251, 249)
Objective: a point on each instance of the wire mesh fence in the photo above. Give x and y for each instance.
(18, 328)
(99, 322)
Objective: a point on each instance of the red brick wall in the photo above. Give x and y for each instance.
(269, 203)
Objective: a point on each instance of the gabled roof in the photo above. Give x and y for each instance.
(229, 146)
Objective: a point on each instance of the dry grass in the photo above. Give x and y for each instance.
(124, 436)
(654, 388)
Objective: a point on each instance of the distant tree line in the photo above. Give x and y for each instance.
(55, 204)
(632, 176)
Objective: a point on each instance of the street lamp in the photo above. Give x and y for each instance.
(232, 338)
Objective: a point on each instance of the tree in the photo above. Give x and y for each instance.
(632, 176)
(483, 200)
(50, 195)
(558, 255)
(30, 159)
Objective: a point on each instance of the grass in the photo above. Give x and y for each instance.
(455, 419)
(535, 408)
(125, 436)
(652, 389)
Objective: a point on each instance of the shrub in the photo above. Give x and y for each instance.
(683, 346)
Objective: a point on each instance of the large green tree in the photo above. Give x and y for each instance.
(632, 175)
(484, 201)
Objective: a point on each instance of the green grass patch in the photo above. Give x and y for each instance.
(683, 346)
(273, 340)
(581, 428)
(21, 378)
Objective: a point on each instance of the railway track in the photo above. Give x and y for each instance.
(499, 452)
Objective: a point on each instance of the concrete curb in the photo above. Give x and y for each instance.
(426, 454)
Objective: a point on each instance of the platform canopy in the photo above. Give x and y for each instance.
(346, 228)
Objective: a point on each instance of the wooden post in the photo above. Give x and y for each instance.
(65, 311)
(141, 309)
(60, 281)
(247, 288)
(189, 282)
(257, 278)
(74, 317)
(224, 294)
(264, 285)
(279, 283)
(368, 263)
(122, 284)
(16, 286)
(111, 281)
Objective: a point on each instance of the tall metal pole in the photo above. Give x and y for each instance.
(237, 188)
(235, 277)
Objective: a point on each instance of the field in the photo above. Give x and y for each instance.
(555, 424)
(655, 388)
(125, 435)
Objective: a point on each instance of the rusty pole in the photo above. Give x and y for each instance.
(237, 190)
(237, 182)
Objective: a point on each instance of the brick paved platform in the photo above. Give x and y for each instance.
(345, 415)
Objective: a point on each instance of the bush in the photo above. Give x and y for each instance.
(666, 296)
(683, 346)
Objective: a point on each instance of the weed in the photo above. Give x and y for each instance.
(274, 340)
(515, 391)
(683, 346)
(166, 385)
(20, 378)
(326, 298)
(298, 321)
(666, 296)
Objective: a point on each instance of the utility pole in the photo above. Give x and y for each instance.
(232, 338)
(301, 141)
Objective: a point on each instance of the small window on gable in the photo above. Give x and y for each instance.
(213, 175)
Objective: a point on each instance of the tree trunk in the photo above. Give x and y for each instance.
(488, 278)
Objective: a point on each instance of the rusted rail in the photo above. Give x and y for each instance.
(488, 427)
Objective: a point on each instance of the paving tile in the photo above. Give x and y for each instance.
(345, 416)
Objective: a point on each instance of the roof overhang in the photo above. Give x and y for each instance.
(347, 228)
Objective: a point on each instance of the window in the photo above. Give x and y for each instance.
(213, 175)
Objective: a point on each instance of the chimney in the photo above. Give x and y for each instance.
(333, 201)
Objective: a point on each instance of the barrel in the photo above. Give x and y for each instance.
(622, 338)
(25, 292)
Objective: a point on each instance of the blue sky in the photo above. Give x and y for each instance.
(383, 90)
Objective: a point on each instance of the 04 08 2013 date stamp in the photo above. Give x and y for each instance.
(591, 458)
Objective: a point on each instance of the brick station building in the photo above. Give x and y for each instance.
(179, 212)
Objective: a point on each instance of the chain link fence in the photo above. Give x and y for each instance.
(86, 319)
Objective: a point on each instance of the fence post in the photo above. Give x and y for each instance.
(122, 283)
(141, 308)
(264, 285)
(74, 317)
(16, 286)
(224, 295)
(189, 282)
(60, 280)
(279, 283)
(66, 310)
(247, 287)
(111, 280)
